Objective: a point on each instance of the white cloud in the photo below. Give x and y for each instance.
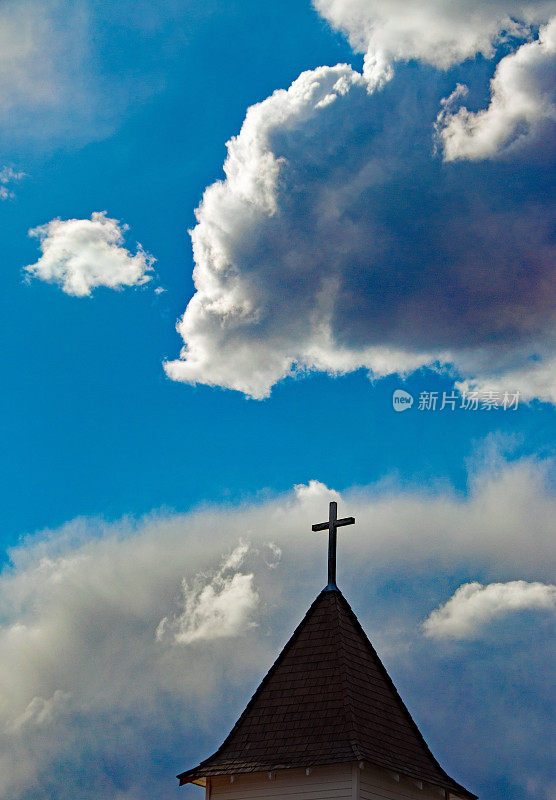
(523, 102)
(473, 606)
(536, 378)
(432, 31)
(337, 241)
(81, 254)
(315, 493)
(8, 176)
(85, 682)
(221, 607)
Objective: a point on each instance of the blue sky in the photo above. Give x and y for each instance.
(369, 234)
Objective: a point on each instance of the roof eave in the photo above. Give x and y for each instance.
(195, 775)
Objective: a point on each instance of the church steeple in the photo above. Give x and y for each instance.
(327, 700)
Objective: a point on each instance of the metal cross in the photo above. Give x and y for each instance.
(332, 526)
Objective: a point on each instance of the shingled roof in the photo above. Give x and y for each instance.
(326, 700)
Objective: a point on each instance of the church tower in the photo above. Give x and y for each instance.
(326, 723)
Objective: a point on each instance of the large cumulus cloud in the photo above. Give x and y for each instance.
(339, 240)
(111, 682)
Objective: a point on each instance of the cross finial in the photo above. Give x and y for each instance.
(332, 526)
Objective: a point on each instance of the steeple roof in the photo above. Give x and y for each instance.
(326, 700)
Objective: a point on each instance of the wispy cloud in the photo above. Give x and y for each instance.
(82, 254)
(47, 85)
(62, 82)
(9, 176)
(41, 712)
(215, 607)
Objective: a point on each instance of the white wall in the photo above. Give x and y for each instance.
(375, 784)
(323, 783)
(337, 782)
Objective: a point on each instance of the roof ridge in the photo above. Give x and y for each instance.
(354, 738)
(397, 696)
(272, 670)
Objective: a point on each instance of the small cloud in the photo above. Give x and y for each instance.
(314, 490)
(160, 290)
(473, 606)
(221, 607)
(236, 557)
(9, 176)
(275, 555)
(41, 712)
(81, 254)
